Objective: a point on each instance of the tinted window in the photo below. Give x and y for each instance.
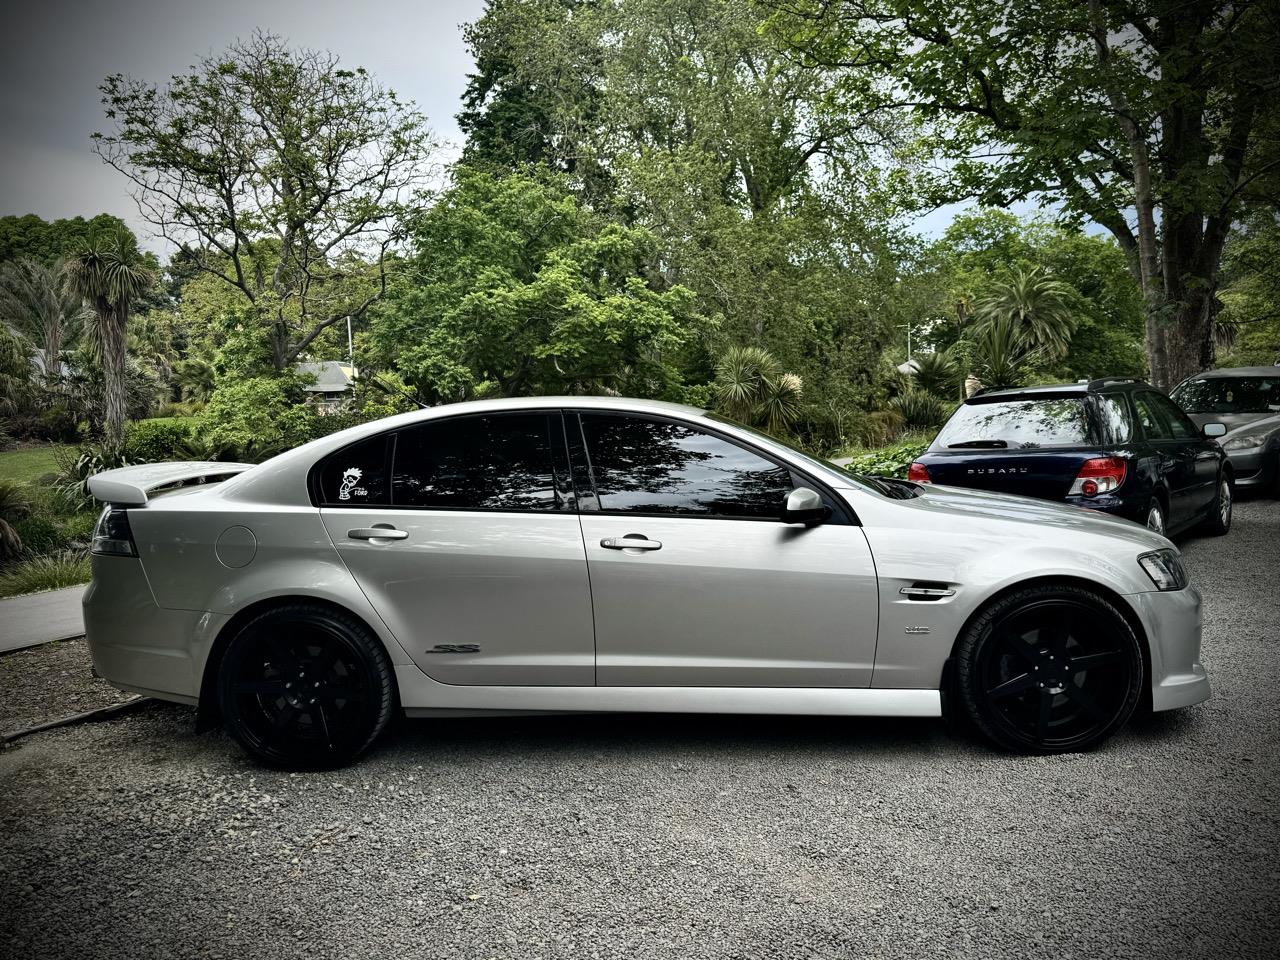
(1117, 424)
(1155, 424)
(502, 462)
(1179, 423)
(1229, 395)
(356, 476)
(655, 466)
(1018, 424)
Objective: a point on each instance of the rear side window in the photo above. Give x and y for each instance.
(1115, 420)
(1017, 424)
(656, 466)
(356, 476)
(500, 462)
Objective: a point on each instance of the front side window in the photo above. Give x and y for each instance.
(1229, 395)
(499, 462)
(1155, 424)
(661, 467)
(356, 476)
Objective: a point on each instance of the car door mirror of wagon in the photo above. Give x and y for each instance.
(804, 506)
(1215, 430)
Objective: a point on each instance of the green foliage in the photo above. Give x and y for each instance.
(1251, 296)
(66, 568)
(937, 373)
(156, 440)
(75, 468)
(921, 410)
(47, 241)
(752, 388)
(1038, 307)
(515, 288)
(15, 504)
(893, 460)
(268, 411)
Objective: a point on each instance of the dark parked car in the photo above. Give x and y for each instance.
(1247, 400)
(1119, 446)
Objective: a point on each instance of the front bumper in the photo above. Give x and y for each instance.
(1173, 621)
(1253, 468)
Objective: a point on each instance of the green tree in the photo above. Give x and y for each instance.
(1039, 307)
(751, 387)
(514, 287)
(109, 273)
(278, 171)
(37, 303)
(1144, 118)
(48, 241)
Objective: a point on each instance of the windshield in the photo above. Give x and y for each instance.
(868, 482)
(1017, 424)
(1229, 395)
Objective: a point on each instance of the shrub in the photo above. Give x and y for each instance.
(151, 441)
(73, 476)
(920, 410)
(39, 534)
(63, 569)
(15, 504)
(266, 411)
(893, 460)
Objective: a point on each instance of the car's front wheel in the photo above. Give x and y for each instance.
(303, 686)
(1049, 669)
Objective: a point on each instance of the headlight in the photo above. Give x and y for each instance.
(1247, 442)
(1165, 569)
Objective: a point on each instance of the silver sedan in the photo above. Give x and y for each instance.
(599, 554)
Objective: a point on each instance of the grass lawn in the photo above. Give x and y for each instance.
(29, 464)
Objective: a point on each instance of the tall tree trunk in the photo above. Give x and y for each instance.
(114, 345)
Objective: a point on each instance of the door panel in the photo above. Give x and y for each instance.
(513, 584)
(732, 603)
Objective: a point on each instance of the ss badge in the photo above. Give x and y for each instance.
(455, 648)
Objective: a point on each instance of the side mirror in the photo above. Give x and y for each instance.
(804, 506)
(1215, 430)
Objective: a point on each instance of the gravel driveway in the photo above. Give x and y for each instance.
(688, 837)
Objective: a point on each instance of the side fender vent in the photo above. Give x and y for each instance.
(927, 590)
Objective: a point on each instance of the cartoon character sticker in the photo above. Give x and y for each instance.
(350, 477)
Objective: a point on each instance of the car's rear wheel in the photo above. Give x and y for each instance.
(1155, 516)
(1218, 522)
(1049, 669)
(305, 687)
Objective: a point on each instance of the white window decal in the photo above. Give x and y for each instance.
(350, 477)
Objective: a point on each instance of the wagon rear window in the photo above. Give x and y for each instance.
(1017, 424)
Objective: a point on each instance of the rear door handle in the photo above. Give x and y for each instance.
(378, 532)
(632, 541)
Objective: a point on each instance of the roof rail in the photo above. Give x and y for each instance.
(1112, 381)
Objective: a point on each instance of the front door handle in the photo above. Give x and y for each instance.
(379, 531)
(632, 541)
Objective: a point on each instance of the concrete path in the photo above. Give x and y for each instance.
(40, 618)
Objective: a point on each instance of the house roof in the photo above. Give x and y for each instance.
(332, 376)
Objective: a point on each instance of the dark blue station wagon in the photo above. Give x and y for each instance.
(1119, 446)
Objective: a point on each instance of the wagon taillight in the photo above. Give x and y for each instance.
(1099, 475)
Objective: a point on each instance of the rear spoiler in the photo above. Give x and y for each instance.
(129, 486)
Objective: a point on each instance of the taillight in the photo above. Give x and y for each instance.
(1099, 475)
(917, 473)
(112, 536)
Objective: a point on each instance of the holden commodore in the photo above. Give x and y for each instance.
(603, 554)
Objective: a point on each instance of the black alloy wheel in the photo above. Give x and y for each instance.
(1050, 670)
(305, 687)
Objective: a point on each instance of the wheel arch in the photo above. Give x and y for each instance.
(208, 713)
(947, 679)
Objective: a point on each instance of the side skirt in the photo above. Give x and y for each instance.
(423, 697)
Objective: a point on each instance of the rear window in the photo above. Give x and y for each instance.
(1229, 395)
(1017, 424)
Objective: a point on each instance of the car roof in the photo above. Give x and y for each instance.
(1057, 389)
(1273, 371)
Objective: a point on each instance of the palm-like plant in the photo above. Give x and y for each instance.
(14, 504)
(1038, 307)
(752, 387)
(936, 373)
(1000, 351)
(195, 378)
(109, 273)
(37, 303)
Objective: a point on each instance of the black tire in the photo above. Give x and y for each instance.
(305, 687)
(1218, 523)
(1157, 520)
(1010, 674)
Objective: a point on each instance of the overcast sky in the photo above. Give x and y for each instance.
(54, 53)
